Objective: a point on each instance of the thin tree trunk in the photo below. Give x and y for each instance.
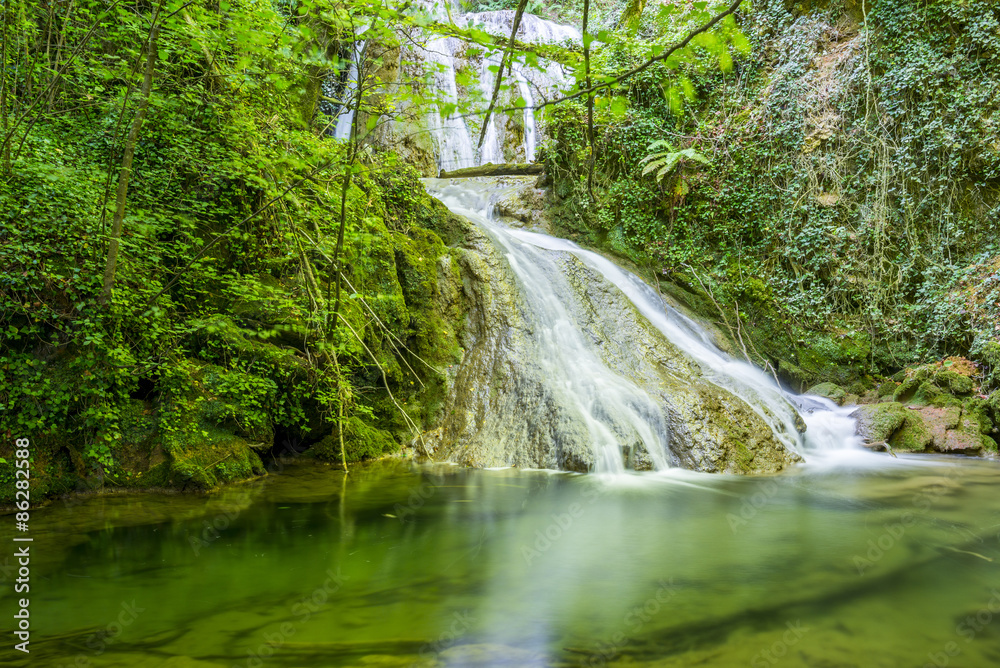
(351, 155)
(590, 102)
(126, 171)
(60, 44)
(48, 45)
(352, 150)
(499, 79)
(3, 87)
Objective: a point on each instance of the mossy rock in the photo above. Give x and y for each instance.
(887, 389)
(361, 440)
(954, 428)
(954, 382)
(928, 393)
(876, 423)
(450, 227)
(913, 435)
(992, 407)
(204, 462)
(831, 391)
(906, 389)
(978, 411)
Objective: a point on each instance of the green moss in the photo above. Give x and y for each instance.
(977, 412)
(204, 461)
(436, 217)
(928, 393)
(833, 392)
(906, 389)
(887, 389)
(361, 440)
(913, 435)
(954, 382)
(878, 422)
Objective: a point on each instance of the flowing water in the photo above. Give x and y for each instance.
(863, 561)
(614, 409)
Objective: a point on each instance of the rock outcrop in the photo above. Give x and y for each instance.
(504, 409)
(930, 408)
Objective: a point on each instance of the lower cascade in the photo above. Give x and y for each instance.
(573, 363)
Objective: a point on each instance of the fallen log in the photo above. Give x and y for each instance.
(560, 53)
(489, 169)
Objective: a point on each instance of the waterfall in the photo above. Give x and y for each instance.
(439, 59)
(455, 145)
(345, 113)
(614, 410)
(601, 392)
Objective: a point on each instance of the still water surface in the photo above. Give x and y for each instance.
(852, 560)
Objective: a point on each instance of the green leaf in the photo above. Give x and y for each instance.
(725, 61)
(619, 106)
(688, 88)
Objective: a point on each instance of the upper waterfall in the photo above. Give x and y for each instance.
(460, 80)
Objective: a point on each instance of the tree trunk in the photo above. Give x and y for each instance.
(513, 169)
(503, 61)
(126, 171)
(352, 150)
(3, 88)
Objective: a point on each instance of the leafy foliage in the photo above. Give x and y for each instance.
(664, 161)
(216, 339)
(853, 184)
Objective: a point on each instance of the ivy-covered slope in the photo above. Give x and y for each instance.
(216, 347)
(848, 223)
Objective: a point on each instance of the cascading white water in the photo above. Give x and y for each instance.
(345, 115)
(455, 145)
(744, 380)
(492, 149)
(615, 411)
(613, 408)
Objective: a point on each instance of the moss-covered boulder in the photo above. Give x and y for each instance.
(361, 439)
(877, 422)
(954, 382)
(887, 389)
(955, 428)
(204, 461)
(912, 436)
(831, 391)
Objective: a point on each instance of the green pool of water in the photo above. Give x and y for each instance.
(869, 562)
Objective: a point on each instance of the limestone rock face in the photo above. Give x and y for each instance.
(503, 409)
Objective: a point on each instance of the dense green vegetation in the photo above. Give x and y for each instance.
(220, 340)
(847, 224)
